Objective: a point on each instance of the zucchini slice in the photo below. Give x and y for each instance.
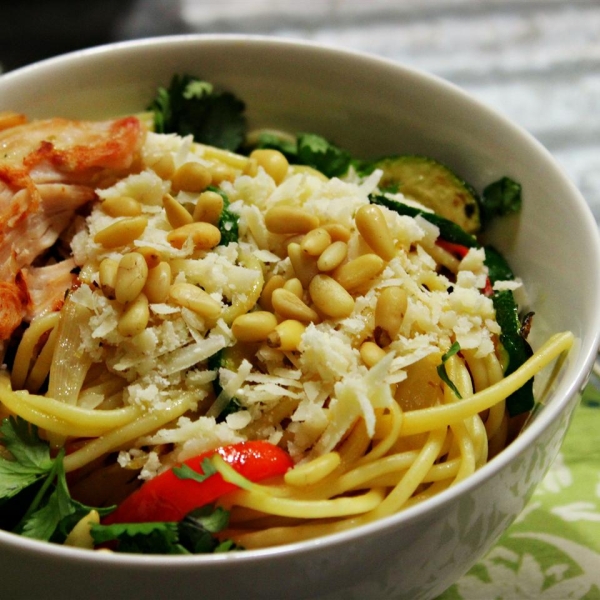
(435, 186)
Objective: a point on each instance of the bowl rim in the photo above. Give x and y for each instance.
(414, 513)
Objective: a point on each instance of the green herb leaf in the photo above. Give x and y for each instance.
(273, 142)
(31, 459)
(190, 106)
(315, 151)
(228, 221)
(502, 197)
(193, 534)
(143, 538)
(441, 369)
(186, 472)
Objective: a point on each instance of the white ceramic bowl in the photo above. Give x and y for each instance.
(372, 107)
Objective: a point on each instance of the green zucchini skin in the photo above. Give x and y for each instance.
(434, 185)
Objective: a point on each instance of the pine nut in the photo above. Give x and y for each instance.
(315, 241)
(121, 206)
(305, 267)
(132, 274)
(286, 336)
(209, 207)
(251, 168)
(122, 232)
(151, 255)
(177, 214)
(254, 326)
(196, 299)
(333, 256)
(191, 177)
(273, 162)
(164, 167)
(330, 297)
(371, 353)
(290, 219)
(265, 300)
(294, 285)
(220, 173)
(289, 306)
(135, 317)
(358, 272)
(389, 311)
(107, 274)
(338, 232)
(158, 283)
(204, 236)
(370, 222)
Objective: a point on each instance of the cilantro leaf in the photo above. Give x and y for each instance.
(186, 472)
(59, 512)
(441, 369)
(144, 538)
(31, 459)
(194, 534)
(315, 151)
(190, 106)
(197, 528)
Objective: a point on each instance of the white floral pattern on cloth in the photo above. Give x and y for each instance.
(552, 551)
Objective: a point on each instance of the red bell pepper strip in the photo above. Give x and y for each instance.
(457, 250)
(169, 498)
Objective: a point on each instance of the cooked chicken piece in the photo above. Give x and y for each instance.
(48, 170)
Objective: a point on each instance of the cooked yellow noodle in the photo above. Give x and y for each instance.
(25, 351)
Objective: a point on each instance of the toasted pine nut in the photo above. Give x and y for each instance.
(121, 232)
(151, 255)
(204, 235)
(107, 273)
(132, 274)
(158, 283)
(289, 306)
(333, 256)
(196, 299)
(135, 317)
(164, 167)
(330, 297)
(276, 282)
(290, 219)
(287, 335)
(371, 353)
(251, 168)
(372, 225)
(254, 326)
(177, 214)
(191, 177)
(273, 162)
(305, 266)
(121, 206)
(338, 232)
(294, 285)
(358, 272)
(209, 207)
(220, 172)
(315, 241)
(390, 310)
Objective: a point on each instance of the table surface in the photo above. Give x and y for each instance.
(536, 61)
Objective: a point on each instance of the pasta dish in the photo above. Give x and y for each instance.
(184, 326)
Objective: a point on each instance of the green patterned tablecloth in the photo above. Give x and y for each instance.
(552, 551)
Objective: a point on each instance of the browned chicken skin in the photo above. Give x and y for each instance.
(48, 170)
